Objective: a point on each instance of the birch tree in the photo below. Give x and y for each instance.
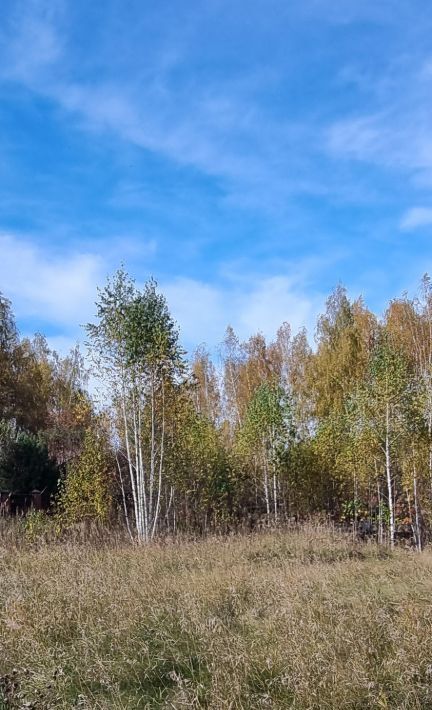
(135, 344)
(383, 406)
(232, 358)
(265, 435)
(414, 332)
(206, 391)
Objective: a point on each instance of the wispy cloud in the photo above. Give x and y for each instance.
(416, 217)
(215, 127)
(395, 128)
(359, 138)
(396, 138)
(30, 40)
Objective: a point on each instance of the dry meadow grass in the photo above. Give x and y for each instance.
(280, 620)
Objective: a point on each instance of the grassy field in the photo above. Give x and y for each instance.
(279, 620)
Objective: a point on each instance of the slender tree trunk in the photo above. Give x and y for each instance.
(132, 476)
(161, 458)
(417, 512)
(152, 450)
(389, 478)
(234, 388)
(137, 468)
(168, 508)
(125, 510)
(380, 514)
(142, 474)
(412, 523)
(266, 490)
(275, 502)
(275, 481)
(430, 448)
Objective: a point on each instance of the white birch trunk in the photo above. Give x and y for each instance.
(266, 490)
(275, 504)
(125, 510)
(132, 477)
(389, 478)
(161, 457)
(417, 512)
(152, 452)
(380, 521)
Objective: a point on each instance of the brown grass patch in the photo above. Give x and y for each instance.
(301, 620)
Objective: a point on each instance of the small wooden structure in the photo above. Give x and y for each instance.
(21, 503)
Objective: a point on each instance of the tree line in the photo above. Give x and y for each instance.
(262, 433)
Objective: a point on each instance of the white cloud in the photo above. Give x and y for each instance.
(59, 292)
(248, 304)
(272, 301)
(416, 217)
(55, 289)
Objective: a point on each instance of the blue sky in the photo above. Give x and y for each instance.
(248, 154)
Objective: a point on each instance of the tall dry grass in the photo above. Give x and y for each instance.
(302, 620)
